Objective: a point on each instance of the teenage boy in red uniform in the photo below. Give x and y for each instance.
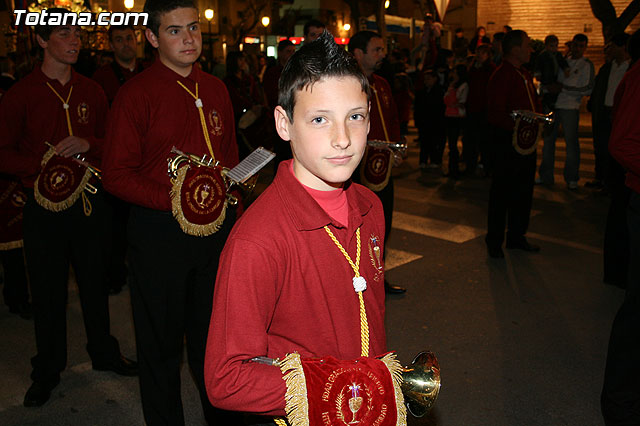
(368, 49)
(510, 88)
(172, 272)
(55, 104)
(284, 285)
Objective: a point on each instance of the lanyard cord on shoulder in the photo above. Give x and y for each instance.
(203, 122)
(65, 105)
(526, 86)
(360, 285)
(384, 126)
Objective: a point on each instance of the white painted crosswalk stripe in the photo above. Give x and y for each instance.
(435, 228)
(395, 258)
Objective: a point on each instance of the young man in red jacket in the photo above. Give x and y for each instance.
(57, 105)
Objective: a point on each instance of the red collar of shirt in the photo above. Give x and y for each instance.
(166, 73)
(42, 77)
(305, 212)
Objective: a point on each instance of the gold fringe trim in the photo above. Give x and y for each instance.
(296, 402)
(395, 368)
(176, 207)
(514, 139)
(11, 245)
(69, 201)
(374, 187)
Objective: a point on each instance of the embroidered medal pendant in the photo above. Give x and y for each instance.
(199, 103)
(359, 284)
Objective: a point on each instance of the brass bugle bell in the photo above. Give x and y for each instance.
(420, 381)
(205, 161)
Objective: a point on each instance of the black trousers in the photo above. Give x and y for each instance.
(601, 133)
(511, 192)
(52, 241)
(173, 276)
(454, 128)
(616, 235)
(116, 266)
(621, 390)
(432, 136)
(15, 290)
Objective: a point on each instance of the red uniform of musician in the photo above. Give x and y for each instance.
(510, 88)
(56, 105)
(368, 49)
(172, 272)
(284, 285)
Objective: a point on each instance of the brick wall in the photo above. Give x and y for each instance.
(563, 18)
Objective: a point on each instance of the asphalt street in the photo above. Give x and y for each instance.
(520, 340)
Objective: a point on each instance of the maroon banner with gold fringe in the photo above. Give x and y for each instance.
(199, 199)
(376, 168)
(12, 201)
(61, 181)
(526, 135)
(328, 391)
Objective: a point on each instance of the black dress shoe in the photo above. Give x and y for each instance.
(495, 252)
(393, 289)
(23, 309)
(39, 393)
(523, 245)
(121, 365)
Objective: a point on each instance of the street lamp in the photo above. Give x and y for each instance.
(265, 23)
(128, 4)
(347, 27)
(208, 14)
(387, 3)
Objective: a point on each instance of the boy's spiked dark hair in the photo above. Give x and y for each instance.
(314, 62)
(155, 9)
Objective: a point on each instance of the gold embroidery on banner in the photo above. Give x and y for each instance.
(83, 113)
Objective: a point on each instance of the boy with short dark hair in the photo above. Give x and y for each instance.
(292, 269)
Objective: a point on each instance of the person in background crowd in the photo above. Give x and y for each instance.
(510, 88)
(496, 47)
(7, 73)
(263, 65)
(444, 65)
(12, 199)
(248, 103)
(620, 400)
(312, 30)
(282, 149)
(479, 38)
(428, 114)
(546, 69)
(455, 100)
(460, 45)
(15, 290)
(403, 97)
(476, 136)
(111, 77)
(56, 104)
(608, 171)
(171, 103)
(506, 29)
(601, 103)
(576, 84)
(368, 49)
